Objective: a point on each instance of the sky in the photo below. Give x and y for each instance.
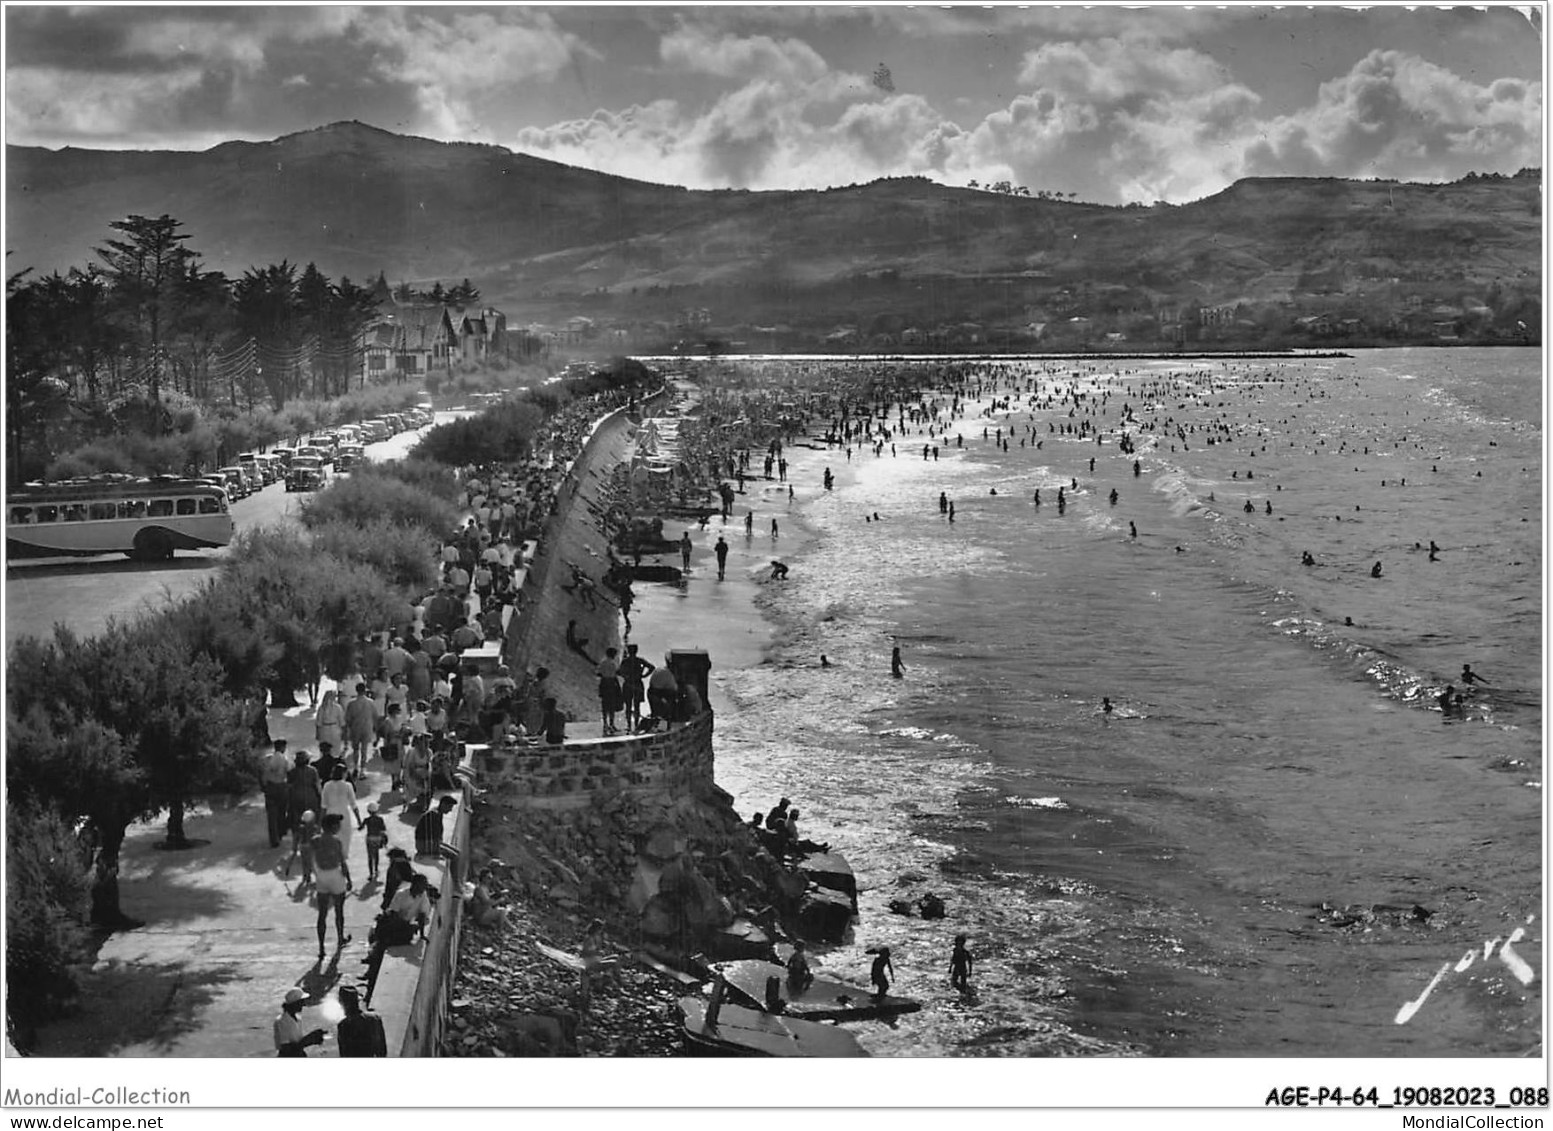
(1112, 104)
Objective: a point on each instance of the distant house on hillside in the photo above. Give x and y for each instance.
(480, 335)
(426, 340)
(378, 349)
(409, 340)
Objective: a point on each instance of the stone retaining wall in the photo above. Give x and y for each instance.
(439, 960)
(677, 761)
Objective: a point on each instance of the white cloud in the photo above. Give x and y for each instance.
(741, 57)
(237, 37)
(1114, 118)
(1396, 115)
(123, 108)
(452, 57)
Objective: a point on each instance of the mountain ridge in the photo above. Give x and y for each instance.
(540, 237)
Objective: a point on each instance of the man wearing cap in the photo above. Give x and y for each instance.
(403, 922)
(290, 1040)
(272, 777)
(399, 872)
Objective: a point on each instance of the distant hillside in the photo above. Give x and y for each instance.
(544, 239)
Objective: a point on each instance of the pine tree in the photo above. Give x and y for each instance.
(148, 267)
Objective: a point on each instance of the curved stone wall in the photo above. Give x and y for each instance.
(571, 775)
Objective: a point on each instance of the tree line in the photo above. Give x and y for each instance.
(148, 325)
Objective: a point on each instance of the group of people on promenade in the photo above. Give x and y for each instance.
(407, 699)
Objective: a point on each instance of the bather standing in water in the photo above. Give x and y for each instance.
(877, 973)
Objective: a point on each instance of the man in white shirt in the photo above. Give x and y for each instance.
(290, 1038)
(407, 915)
(272, 777)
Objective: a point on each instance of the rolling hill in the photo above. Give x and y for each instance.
(543, 239)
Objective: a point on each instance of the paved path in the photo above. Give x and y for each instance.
(226, 935)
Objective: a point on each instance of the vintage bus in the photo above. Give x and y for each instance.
(146, 519)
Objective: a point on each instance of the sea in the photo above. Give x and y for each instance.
(1275, 843)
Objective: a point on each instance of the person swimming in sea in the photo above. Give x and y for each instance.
(1106, 706)
(1375, 570)
(1470, 677)
(897, 669)
(1448, 701)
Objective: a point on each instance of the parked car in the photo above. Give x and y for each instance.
(375, 431)
(284, 454)
(348, 456)
(249, 462)
(236, 482)
(306, 473)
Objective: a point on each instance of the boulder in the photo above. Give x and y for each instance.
(824, 915)
(831, 870)
(664, 845)
(538, 1034)
(741, 939)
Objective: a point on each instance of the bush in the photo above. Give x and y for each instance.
(371, 495)
(498, 435)
(402, 554)
(47, 905)
(427, 475)
(91, 459)
(305, 603)
(133, 454)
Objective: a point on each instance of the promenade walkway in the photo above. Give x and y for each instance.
(226, 935)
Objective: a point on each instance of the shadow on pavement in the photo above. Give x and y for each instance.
(68, 567)
(134, 1009)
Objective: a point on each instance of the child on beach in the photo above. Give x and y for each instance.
(376, 838)
(960, 964)
(877, 974)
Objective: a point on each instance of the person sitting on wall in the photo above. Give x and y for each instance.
(662, 693)
(690, 703)
(403, 923)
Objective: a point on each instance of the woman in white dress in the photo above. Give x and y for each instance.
(329, 723)
(339, 796)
